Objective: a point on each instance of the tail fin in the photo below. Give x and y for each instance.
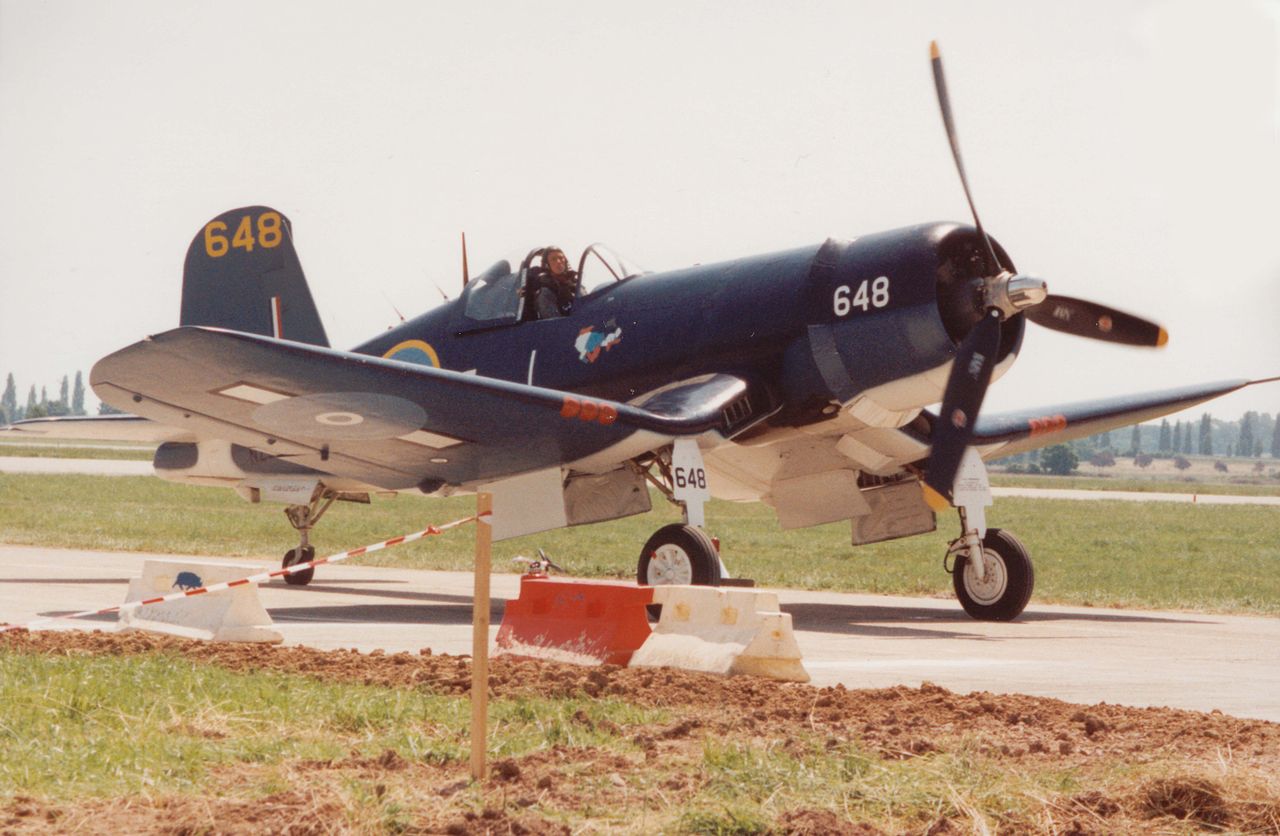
(242, 273)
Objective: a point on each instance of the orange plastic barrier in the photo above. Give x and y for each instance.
(581, 621)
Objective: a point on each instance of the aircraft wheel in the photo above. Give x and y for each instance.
(678, 554)
(293, 557)
(1005, 589)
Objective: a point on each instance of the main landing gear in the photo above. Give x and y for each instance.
(680, 553)
(303, 518)
(992, 572)
(1000, 589)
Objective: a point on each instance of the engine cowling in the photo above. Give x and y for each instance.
(889, 310)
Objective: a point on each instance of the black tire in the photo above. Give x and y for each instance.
(293, 557)
(1004, 592)
(678, 554)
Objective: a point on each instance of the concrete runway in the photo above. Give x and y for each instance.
(1085, 655)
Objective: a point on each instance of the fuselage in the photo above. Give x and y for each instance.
(811, 327)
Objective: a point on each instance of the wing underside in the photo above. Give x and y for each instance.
(386, 423)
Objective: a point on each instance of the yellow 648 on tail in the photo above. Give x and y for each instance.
(216, 244)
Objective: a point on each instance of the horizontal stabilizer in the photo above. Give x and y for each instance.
(95, 428)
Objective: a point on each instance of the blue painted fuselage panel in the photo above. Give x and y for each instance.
(792, 321)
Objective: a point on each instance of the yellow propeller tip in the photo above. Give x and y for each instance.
(933, 50)
(1162, 338)
(935, 500)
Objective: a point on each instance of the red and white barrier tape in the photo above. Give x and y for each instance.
(258, 578)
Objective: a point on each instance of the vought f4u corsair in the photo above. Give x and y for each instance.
(798, 378)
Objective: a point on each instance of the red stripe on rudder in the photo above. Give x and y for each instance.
(603, 620)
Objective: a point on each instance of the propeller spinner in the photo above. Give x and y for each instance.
(1005, 294)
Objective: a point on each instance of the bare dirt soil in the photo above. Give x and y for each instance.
(1015, 732)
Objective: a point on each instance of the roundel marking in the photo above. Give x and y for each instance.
(414, 351)
(340, 419)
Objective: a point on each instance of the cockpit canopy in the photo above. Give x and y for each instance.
(494, 297)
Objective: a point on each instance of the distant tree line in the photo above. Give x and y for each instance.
(70, 401)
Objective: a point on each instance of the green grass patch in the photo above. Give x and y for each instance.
(750, 785)
(107, 726)
(1218, 558)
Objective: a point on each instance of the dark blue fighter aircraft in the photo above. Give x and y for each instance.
(797, 378)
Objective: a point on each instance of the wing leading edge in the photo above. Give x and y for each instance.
(1017, 432)
(391, 424)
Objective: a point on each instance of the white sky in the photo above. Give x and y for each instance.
(1129, 152)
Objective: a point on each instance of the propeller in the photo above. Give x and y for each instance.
(1005, 294)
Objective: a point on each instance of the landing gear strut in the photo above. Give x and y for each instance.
(680, 553)
(992, 573)
(303, 518)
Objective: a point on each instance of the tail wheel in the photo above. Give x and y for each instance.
(302, 554)
(1008, 578)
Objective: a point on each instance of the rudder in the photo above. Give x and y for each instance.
(242, 273)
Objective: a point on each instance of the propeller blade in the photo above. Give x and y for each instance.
(944, 103)
(966, 388)
(1097, 322)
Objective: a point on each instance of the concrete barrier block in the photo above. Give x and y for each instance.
(722, 630)
(231, 615)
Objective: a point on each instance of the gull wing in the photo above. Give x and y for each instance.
(387, 423)
(1017, 432)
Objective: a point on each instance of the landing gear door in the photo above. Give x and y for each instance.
(689, 480)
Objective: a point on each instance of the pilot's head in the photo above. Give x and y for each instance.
(556, 261)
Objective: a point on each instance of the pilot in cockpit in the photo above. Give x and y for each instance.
(551, 287)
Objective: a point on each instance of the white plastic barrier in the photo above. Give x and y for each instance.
(229, 615)
(722, 630)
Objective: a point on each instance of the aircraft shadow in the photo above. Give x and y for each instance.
(383, 614)
(68, 581)
(888, 621)
(425, 597)
(350, 582)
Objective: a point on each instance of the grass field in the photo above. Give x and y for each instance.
(1156, 555)
(156, 741)
(1163, 484)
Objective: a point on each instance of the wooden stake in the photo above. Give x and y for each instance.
(480, 638)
